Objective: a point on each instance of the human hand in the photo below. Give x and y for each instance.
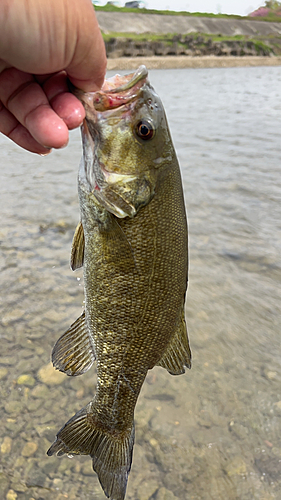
(41, 44)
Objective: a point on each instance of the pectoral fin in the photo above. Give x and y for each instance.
(77, 249)
(73, 353)
(177, 354)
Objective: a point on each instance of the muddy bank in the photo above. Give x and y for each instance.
(171, 62)
(128, 22)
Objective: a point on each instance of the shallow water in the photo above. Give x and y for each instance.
(215, 432)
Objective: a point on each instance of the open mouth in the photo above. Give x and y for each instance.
(116, 91)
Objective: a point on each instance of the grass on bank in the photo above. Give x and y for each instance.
(113, 8)
(263, 42)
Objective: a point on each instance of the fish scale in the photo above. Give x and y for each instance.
(132, 243)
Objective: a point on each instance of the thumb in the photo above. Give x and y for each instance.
(88, 65)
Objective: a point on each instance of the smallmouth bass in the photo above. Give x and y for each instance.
(132, 244)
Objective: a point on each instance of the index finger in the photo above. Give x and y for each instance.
(26, 100)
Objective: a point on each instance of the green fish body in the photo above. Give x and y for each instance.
(132, 243)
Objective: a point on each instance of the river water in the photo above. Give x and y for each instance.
(215, 432)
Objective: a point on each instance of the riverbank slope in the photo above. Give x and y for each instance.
(128, 22)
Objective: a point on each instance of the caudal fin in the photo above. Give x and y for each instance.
(111, 454)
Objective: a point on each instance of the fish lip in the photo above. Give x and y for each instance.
(113, 177)
(112, 95)
(139, 75)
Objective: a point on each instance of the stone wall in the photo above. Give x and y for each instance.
(184, 45)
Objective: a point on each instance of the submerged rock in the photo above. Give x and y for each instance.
(6, 445)
(164, 494)
(50, 376)
(146, 490)
(26, 379)
(29, 449)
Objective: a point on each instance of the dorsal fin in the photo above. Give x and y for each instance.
(77, 249)
(73, 353)
(177, 354)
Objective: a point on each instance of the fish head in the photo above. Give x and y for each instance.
(126, 143)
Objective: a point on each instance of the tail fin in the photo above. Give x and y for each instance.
(111, 453)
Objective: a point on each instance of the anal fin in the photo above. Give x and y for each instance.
(177, 354)
(73, 353)
(77, 249)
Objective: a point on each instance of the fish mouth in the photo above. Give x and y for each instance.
(115, 92)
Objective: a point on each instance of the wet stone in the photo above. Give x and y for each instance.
(57, 484)
(146, 490)
(13, 407)
(4, 483)
(164, 494)
(26, 353)
(35, 478)
(19, 487)
(236, 467)
(50, 376)
(11, 495)
(276, 452)
(3, 373)
(26, 379)
(13, 315)
(20, 462)
(40, 391)
(24, 364)
(277, 407)
(87, 469)
(29, 449)
(34, 405)
(6, 445)
(47, 431)
(8, 360)
(240, 431)
(49, 467)
(15, 426)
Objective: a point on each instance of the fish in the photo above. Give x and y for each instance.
(132, 243)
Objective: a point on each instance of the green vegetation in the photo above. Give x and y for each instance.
(202, 42)
(273, 5)
(167, 37)
(114, 8)
(272, 17)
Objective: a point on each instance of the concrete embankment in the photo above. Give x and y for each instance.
(127, 54)
(127, 22)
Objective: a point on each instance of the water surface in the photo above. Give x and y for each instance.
(215, 432)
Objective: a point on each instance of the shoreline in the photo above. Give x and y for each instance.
(180, 62)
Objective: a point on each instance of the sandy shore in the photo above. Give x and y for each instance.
(175, 62)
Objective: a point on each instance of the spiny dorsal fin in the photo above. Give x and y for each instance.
(77, 249)
(111, 453)
(73, 353)
(177, 354)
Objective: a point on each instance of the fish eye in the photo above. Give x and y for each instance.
(145, 130)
